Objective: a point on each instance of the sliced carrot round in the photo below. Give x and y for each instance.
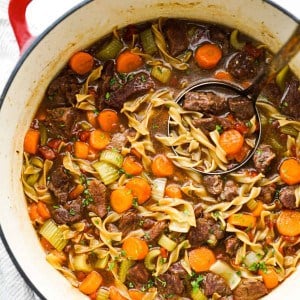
(108, 120)
(127, 62)
(162, 166)
(135, 248)
(201, 259)
(208, 55)
(121, 199)
(140, 189)
(289, 171)
(81, 62)
(231, 141)
(288, 223)
(91, 283)
(131, 166)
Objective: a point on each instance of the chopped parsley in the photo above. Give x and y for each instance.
(135, 202)
(72, 212)
(196, 282)
(111, 265)
(219, 128)
(107, 96)
(258, 266)
(55, 206)
(88, 199)
(249, 124)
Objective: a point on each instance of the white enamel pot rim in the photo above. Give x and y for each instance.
(76, 30)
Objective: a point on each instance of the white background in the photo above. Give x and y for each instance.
(40, 14)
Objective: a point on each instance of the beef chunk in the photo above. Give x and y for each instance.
(97, 198)
(60, 121)
(205, 102)
(263, 157)
(211, 123)
(213, 184)
(170, 283)
(249, 289)
(220, 37)
(138, 275)
(267, 193)
(129, 221)
(62, 90)
(140, 84)
(241, 107)
(231, 245)
(178, 269)
(230, 190)
(69, 213)
(155, 231)
(214, 283)
(287, 197)
(290, 102)
(60, 182)
(243, 66)
(206, 231)
(176, 36)
(120, 139)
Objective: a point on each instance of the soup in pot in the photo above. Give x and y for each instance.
(110, 167)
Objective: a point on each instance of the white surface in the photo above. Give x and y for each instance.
(40, 15)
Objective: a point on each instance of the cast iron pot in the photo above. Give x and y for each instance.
(44, 56)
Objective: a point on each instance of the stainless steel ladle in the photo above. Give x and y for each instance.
(266, 75)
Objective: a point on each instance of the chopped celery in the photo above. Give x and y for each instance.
(281, 77)
(37, 162)
(149, 259)
(124, 267)
(289, 130)
(110, 50)
(102, 294)
(80, 263)
(235, 43)
(44, 134)
(101, 263)
(161, 73)
(113, 157)
(107, 172)
(158, 188)
(33, 178)
(197, 294)
(53, 234)
(167, 243)
(251, 204)
(148, 41)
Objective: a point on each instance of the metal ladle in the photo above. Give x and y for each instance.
(266, 75)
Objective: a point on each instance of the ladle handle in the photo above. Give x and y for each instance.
(280, 60)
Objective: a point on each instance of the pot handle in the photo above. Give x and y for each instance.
(17, 18)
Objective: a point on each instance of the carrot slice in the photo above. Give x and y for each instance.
(201, 259)
(289, 171)
(208, 55)
(81, 62)
(162, 166)
(99, 139)
(114, 294)
(243, 220)
(231, 141)
(31, 141)
(121, 199)
(33, 212)
(140, 189)
(173, 191)
(131, 166)
(135, 248)
(43, 210)
(91, 283)
(288, 223)
(136, 294)
(45, 244)
(108, 120)
(127, 62)
(223, 75)
(81, 149)
(76, 192)
(269, 277)
(258, 209)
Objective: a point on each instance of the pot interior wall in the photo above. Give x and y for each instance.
(78, 30)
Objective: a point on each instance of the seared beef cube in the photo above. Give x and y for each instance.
(69, 213)
(96, 198)
(232, 244)
(129, 221)
(220, 37)
(120, 139)
(206, 231)
(242, 66)
(205, 102)
(138, 275)
(178, 269)
(198, 210)
(213, 184)
(60, 183)
(139, 85)
(249, 289)
(176, 36)
(62, 90)
(241, 107)
(211, 123)
(290, 102)
(155, 231)
(263, 157)
(214, 283)
(60, 121)
(287, 197)
(267, 193)
(170, 284)
(230, 191)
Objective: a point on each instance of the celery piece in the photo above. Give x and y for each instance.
(235, 43)
(107, 172)
(124, 267)
(161, 73)
(158, 188)
(149, 259)
(101, 263)
(167, 243)
(197, 294)
(148, 42)
(53, 234)
(110, 49)
(281, 77)
(80, 263)
(289, 130)
(32, 179)
(102, 294)
(113, 157)
(37, 162)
